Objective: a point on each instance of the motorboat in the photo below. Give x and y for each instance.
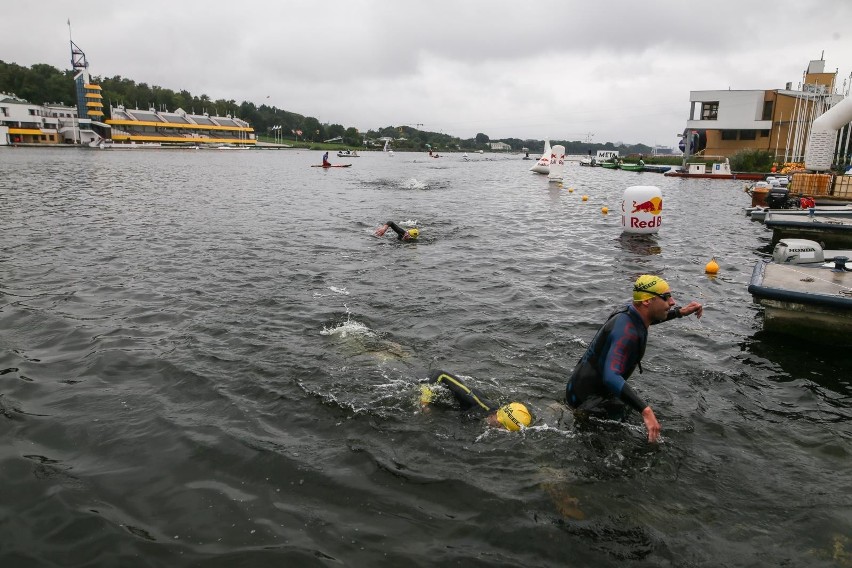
(805, 291)
(720, 170)
(760, 213)
(832, 229)
(348, 154)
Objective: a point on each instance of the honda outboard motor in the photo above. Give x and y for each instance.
(797, 251)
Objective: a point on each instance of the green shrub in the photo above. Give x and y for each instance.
(752, 161)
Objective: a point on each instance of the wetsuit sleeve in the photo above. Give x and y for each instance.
(629, 396)
(620, 350)
(396, 229)
(467, 397)
(673, 313)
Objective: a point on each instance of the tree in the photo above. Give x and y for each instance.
(482, 138)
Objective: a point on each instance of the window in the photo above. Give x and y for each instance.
(764, 133)
(767, 110)
(729, 135)
(709, 111)
(748, 134)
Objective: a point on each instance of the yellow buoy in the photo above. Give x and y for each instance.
(604, 210)
(712, 266)
(585, 198)
(570, 190)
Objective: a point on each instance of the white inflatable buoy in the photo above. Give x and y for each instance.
(641, 209)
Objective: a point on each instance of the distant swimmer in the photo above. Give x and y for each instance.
(512, 416)
(401, 234)
(598, 384)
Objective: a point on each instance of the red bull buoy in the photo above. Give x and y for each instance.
(641, 209)
(712, 267)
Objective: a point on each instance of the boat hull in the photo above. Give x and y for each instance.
(632, 167)
(833, 231)
(745, 176)
(813, 302)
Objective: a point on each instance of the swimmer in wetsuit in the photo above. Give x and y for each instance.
(598, 384)
(401, 234)
(510, 416)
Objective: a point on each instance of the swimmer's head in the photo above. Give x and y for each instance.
(647, 286)
(413, 233)
(514, 415)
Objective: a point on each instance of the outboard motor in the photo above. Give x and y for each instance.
(798, 251)
(779, 198)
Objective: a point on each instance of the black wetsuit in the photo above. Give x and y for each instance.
(400, 232)
(598, 384)
(468, 398)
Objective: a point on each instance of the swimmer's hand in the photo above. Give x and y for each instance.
(651, 424)
(380, 232)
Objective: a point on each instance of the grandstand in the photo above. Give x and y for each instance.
(178, 128)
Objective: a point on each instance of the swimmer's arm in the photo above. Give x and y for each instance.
(396, 229)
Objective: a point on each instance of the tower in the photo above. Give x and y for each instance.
(89, 96)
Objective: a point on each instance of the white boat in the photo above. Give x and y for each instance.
(385, 149)
(832, 229)
(348, 154)
(557, 163)
(805, 291)
(542, 166)
(760, 213)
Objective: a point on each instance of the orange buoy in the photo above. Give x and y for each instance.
(604, 210)
(712, 267)
(585, 198)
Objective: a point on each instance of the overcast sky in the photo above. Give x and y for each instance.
(613, 71)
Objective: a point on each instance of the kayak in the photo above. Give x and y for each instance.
(332, 166)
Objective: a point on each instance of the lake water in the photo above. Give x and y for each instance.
(207, 359)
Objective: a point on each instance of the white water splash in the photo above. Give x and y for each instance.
(414, 184)
(347, 329)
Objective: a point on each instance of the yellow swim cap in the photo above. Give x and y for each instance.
(513, 415)
(413, 233)
(648, 283)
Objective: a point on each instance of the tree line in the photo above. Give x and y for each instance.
(43, 84)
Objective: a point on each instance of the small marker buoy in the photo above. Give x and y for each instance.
(585, 198)
(570, 190)
(712, 267)
(604, 210)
